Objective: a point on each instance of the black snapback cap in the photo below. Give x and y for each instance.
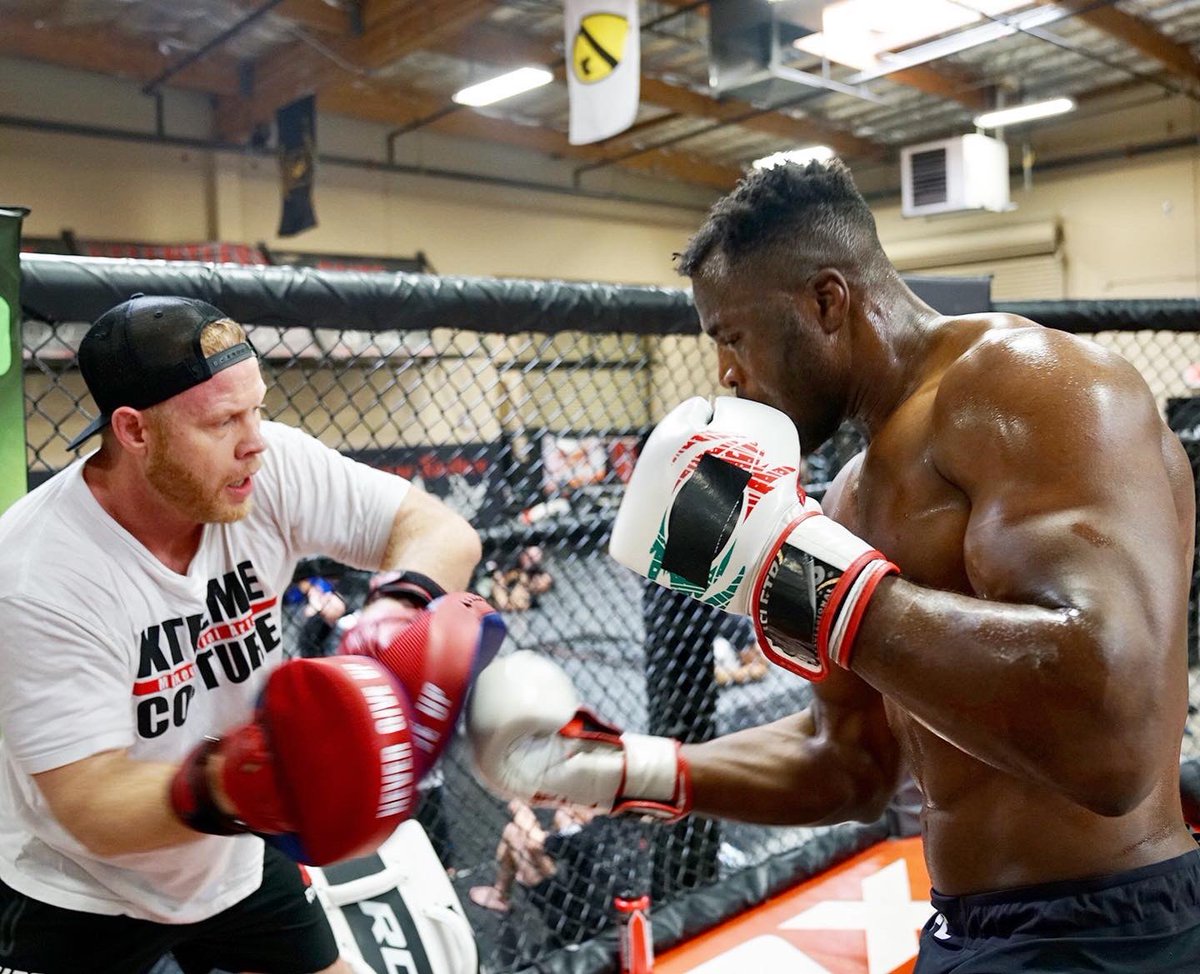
(146, 350)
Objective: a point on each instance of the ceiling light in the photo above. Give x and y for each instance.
(861, 33)
(1023, 113)
(504, 86)
(813, 153)
(961, 41)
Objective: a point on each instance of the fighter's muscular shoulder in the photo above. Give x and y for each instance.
(1036, 389)
(1016, 377)
(1058, 444)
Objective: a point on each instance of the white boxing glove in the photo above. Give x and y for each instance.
(531, 739)
(714, 509)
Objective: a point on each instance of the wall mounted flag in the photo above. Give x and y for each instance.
(603, 51)
(297, 125)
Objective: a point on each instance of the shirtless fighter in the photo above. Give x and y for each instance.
(993, 596)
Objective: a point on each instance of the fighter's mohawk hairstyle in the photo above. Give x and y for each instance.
(772, 205)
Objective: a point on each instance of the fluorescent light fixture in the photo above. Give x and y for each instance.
(964, 40)
(863, 33)
(813, 153)
(1024, 113)
(503, 86)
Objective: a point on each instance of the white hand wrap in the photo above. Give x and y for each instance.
(652, 769)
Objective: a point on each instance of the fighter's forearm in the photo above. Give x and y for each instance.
(783, 774)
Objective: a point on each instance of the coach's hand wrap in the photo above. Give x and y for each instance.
(412, 587)
(714, 509)
(434, 653)
(531, 739)
(324, 770)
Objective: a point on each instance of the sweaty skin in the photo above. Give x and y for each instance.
(1028, 667)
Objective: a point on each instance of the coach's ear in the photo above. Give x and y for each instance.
(831, 295)
(129, 426)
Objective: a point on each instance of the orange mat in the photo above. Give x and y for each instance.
(861, 917)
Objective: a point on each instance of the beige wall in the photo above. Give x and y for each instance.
(123, 190)
(462, 229)
(1129, 227)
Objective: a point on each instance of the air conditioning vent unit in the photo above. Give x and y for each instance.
(969, 172)
(752, 54)
(748, 40)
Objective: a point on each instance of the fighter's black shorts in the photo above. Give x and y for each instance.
(1145, 921)
(279, 928)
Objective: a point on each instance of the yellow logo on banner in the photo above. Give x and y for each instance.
(599, 46)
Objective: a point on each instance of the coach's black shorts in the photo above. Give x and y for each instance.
(1145, 921)
(279, 928)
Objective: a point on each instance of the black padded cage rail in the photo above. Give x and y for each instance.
(523, 405)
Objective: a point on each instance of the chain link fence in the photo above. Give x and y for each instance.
(532, 437)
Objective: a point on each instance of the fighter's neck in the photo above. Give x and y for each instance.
(899, 338)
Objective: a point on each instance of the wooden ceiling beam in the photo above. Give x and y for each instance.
(497, 46)
(944, 84)
(314, 15)
(659, 162)
(1140, 35)
(109, 52)
(392, 28)
(394, 107)
(376, 103)
(801, 131)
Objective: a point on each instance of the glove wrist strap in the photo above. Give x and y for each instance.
(811, 594)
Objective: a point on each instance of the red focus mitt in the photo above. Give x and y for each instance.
(325, 770)
(434, 653)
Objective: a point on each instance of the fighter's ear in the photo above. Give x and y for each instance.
(832, 295)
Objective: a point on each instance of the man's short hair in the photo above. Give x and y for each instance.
(795, 216)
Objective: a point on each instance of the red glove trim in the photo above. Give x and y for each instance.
(860, 607)
(643, 806)
(844, 583)
(586, 725)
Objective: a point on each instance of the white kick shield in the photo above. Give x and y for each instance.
(396, 910)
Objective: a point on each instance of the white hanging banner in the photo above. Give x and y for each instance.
(604, 51)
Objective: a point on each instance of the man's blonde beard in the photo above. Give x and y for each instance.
(176, 483)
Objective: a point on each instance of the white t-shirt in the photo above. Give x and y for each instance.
(103, 647)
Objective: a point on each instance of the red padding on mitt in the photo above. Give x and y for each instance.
(435, 654)
(339, 732)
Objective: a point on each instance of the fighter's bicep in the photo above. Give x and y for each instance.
(1033, 555)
